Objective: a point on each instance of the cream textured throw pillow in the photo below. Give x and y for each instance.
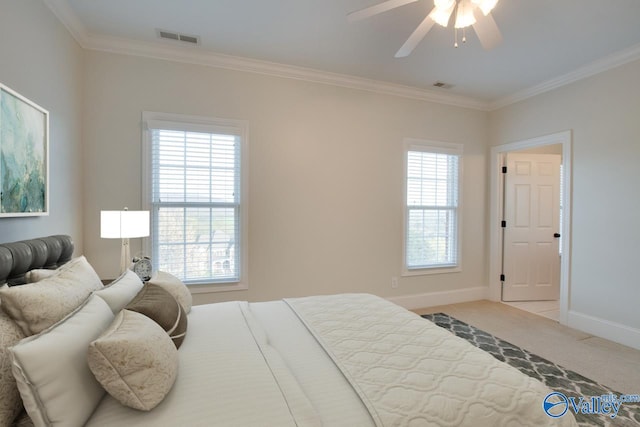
(175, 287)
(10, 403)
(38, 274)
(37, 306)
(135, 361)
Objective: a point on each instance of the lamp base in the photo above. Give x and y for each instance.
(125, 256)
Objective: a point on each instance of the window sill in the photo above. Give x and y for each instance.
(430, 271)
(211, 288)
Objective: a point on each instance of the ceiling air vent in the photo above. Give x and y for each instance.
(163, 34)
(443, 85)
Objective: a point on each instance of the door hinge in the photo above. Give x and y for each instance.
(502, 278)
(504, 169)
(503, 224)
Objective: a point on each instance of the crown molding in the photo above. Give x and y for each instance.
(165, 50)
(194, 55)
(607, 63)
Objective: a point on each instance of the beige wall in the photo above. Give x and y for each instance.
(41, 61)
(603, 112)
(325, 172)
(325, 167)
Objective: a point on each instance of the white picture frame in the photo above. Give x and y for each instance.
(24, 156)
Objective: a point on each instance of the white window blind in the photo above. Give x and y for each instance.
(195, 201)
(432, 196)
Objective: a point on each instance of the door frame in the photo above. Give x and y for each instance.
(495, 215)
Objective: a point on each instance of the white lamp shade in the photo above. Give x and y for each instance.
(124, 224)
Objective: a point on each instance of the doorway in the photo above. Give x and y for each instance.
(534, 266)
(531, 224)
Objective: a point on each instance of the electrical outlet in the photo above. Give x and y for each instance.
(394, 282)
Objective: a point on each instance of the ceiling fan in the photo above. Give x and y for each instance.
(476, 13)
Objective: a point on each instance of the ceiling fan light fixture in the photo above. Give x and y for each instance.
(467, 13)
(486, 6)
(464, 14)
(442, 15)
(444, 4)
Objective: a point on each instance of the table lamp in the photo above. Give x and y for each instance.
(124, 225)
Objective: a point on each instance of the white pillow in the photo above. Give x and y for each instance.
(175, 287)
(37, 306)
(10, 403)
(51, 369)
(121, 291)
(135, 361)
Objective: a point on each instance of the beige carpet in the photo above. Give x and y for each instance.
(605, 362)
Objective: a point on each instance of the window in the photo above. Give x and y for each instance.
(432, 231)
(195, 179)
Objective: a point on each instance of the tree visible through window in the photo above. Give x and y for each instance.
(195, 201)
(432, 191)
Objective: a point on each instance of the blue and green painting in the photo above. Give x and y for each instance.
(23, 154)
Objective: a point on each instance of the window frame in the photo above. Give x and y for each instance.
(439, 147)
(157, 120)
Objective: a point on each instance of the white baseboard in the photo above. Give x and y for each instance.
(431, 299)
(607, 329)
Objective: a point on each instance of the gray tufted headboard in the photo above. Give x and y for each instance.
(16, 258)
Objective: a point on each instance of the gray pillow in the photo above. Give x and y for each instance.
(159, 305)
(175, 287)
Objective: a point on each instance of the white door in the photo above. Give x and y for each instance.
(531, 234)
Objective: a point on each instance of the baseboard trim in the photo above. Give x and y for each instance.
(606, 329)
(431, 299)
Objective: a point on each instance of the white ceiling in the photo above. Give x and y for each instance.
(546, 42)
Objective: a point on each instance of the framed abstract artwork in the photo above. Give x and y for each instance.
(24, 156)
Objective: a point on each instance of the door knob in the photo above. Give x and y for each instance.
(556, 235)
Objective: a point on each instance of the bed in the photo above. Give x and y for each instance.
(332, 360)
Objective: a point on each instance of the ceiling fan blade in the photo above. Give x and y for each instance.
(487, 31)
(376, 9)
(416, 37)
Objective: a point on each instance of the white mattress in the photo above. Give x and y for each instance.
(344, 360)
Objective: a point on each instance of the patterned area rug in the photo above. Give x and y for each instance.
(553, 376)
